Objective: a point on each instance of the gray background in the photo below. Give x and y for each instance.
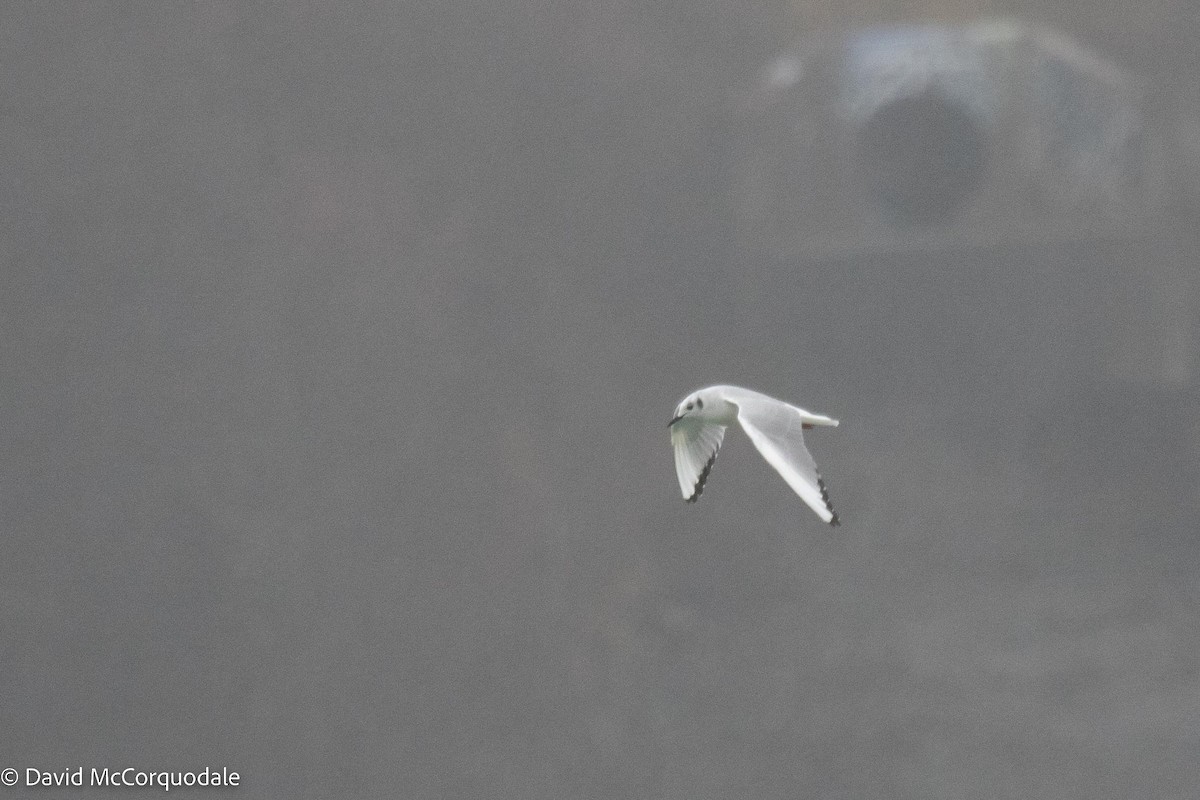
(337, 343)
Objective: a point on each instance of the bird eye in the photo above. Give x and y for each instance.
(689, 406)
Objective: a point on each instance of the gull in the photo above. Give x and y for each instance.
(775, 427)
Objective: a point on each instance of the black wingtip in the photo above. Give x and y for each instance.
(703, 477)
(833, 519)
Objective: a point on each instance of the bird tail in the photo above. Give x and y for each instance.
(812, 420)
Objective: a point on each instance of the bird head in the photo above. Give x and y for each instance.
(692, 405)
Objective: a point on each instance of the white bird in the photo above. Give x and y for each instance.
(775, 427)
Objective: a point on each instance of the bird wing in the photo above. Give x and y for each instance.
(696, 444)
(776, 430)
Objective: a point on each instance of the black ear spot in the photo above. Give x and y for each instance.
(699, 403)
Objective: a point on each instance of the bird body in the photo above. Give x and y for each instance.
(775, 427)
